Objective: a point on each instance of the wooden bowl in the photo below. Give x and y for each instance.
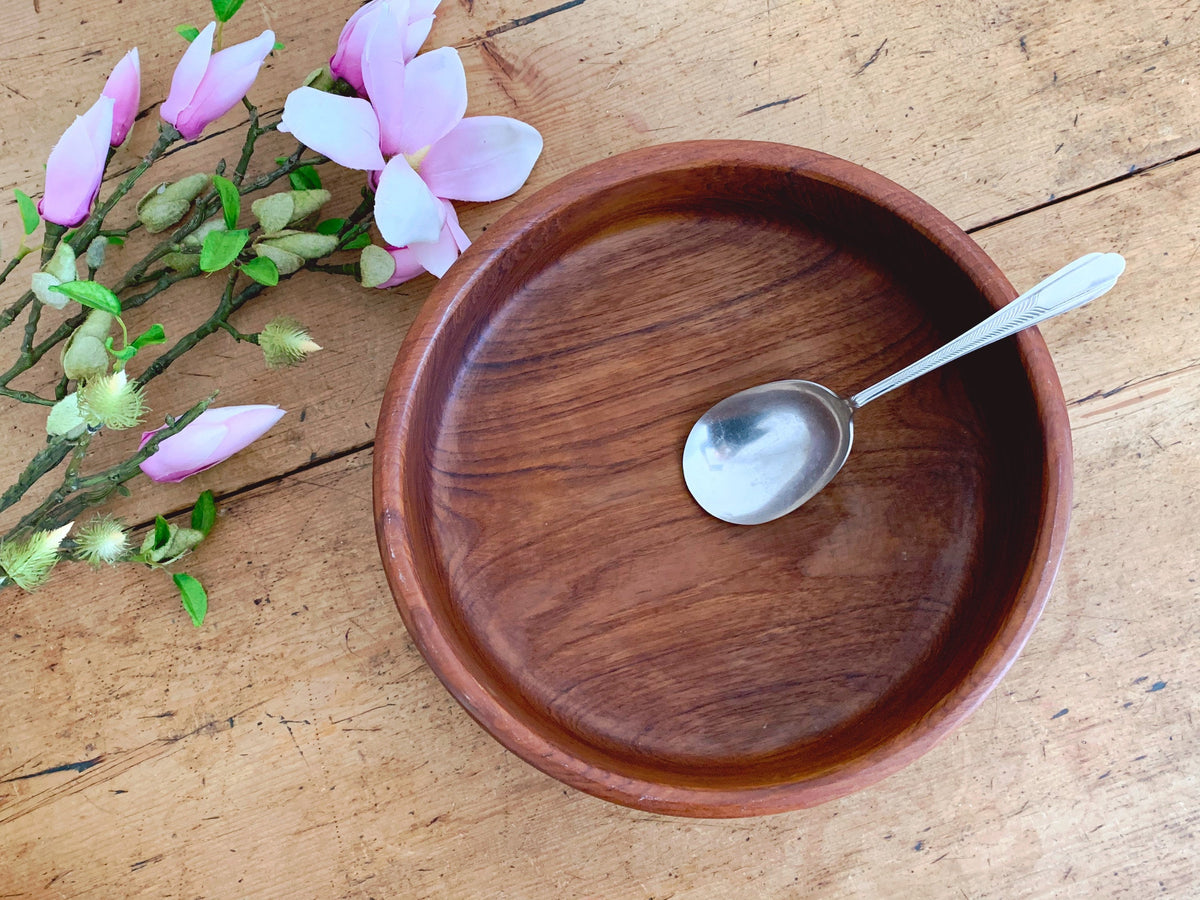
(560, 580)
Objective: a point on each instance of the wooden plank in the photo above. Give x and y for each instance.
(297, 744)
(984, 110)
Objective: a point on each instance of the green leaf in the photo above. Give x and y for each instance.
(124, 354)
(331, 226)
(116, 241)
(279, 45)
(89, 293)
(262, 270)
(162, 533)
(220, 248)
(29, 213)
(188, 32)
(231, 200)
(224, 9)
(305, 178)
(195, 599)
(359, 242)
(152, 335)
(204, 513)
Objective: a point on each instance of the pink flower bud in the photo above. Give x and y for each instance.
(207, 85)
(124, 86)
(214, 436)
(76, 166)
(414, 19)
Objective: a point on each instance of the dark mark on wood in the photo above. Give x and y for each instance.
(1024, 48)
(874, 56)
(65, 767)
(784, 102)
(1105, 775)
(1143, 677)
(532, 17)
(1058, 715)
(1157, 686)
(145, 862)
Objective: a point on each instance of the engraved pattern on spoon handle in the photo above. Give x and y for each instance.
(1072, 286)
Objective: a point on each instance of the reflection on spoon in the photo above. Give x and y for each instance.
(760, 453)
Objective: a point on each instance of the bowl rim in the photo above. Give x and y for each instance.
(396, 534)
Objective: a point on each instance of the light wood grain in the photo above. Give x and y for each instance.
(1077, 778)
(952, 107)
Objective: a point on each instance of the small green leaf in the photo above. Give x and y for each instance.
(188, 32)
(204, 513)
(152, 335)
(89, 293)
(305, 178)
(162, 533)
(220, 248)
(29, 213)
(124, 354)
(231, 200)
(330, 226)
(359, 242)
(279, 45)
(225, 9)
(195, 599)
(124, 491)
(116, 241)
(262, 270)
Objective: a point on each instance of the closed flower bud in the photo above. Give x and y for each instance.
(61, 268)
(96, 252)
(195, 240)
(28, 562)
(166, 204)
(376, 266)
(182, 262)
(277, 211)
(305, 244)
(321, 79)
(285, 262)
(102, 540)
(65, 420)
(285, 342)
(84, 356)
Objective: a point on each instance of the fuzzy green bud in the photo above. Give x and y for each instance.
(28, 562)
(166, 204)
(96, 252)
(285, 262)
(277, 211)
(195, 240)
(375, 266)
(61, 268)
(112, 401)
(181, 262)
(285, 342)
(84, 355)
(321, 79)
(102, 540)
(180, 542)
(65, 419)
(305, 244)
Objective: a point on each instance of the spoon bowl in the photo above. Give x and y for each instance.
(761, 453)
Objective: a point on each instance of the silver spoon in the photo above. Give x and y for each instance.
(760, 453)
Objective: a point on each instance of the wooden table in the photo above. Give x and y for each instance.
(296, 745)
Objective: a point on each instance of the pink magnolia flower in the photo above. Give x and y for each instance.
(124, 86)
(414, 140)
(214, 436)
(207, 85)
(416, 16)
(76, 166)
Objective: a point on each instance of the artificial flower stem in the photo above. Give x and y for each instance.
(45, 460)
(26, 397)
(238, 335)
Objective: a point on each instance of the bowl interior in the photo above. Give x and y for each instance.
(561, 581)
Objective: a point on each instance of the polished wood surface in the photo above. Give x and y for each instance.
(298, 745)
(555, 572)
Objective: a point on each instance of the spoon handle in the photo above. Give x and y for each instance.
(1073, 285)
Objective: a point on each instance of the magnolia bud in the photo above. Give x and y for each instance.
(277, 211)
(168, 203)
(305, 244)
(285, 262)
(196, 238)
(321, 79)
(62, 263)
(375, 265)
(95, 252)
(84, 355)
